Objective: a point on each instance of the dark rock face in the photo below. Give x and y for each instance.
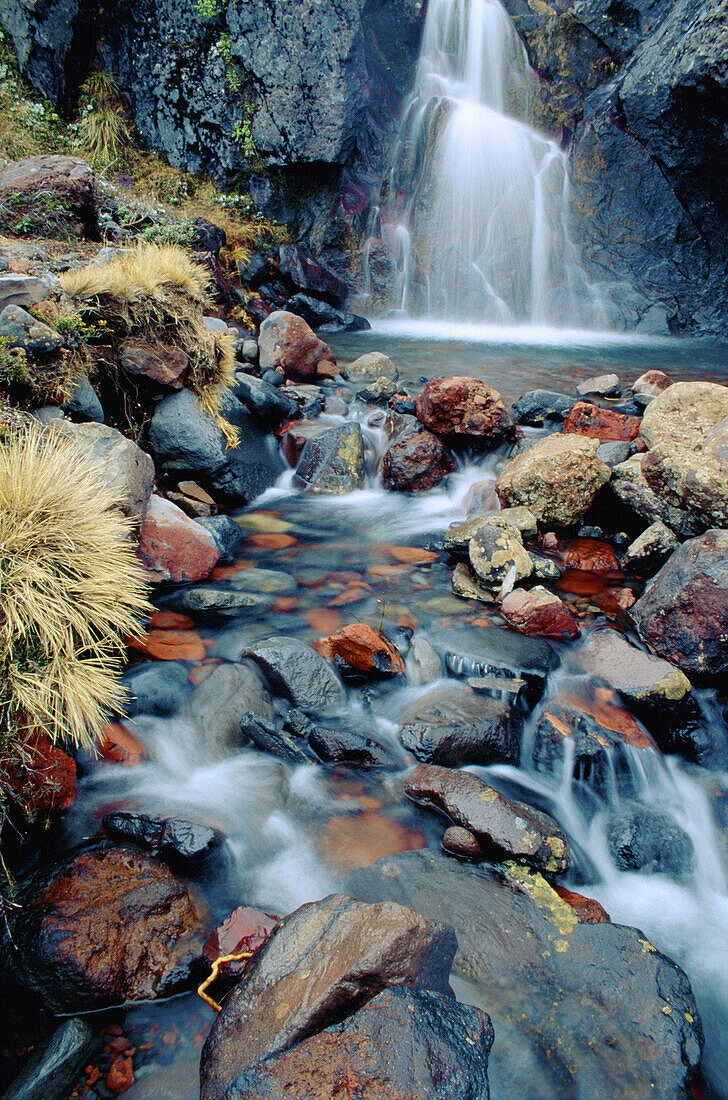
(683, 614)
(52, 1071)
(325, 960)
(417, 1045)
(583, 1005)
(182, 842)
(454, 726)
(646, 840)
(108, 926)
(415, 463)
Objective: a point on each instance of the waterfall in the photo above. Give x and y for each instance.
(473, 222)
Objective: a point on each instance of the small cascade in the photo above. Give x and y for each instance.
(474, 219)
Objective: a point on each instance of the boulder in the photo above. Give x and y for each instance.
(651, 383)
(350, 748)
(537, 406)
(539, 612)
(325, 960)
(226, 703)
(606, 385)
(476, 651)
(358, 647)
(369, 367)
(128, 471)
(268, 407)
(299, 673)
(24, 290)
(332, 462)
(246, 929)
(287, 343)
(187, 441)
(265, 581)
(683, 614)
(20, 329)
(504, 828)
(156, 360)
(107, 926)
(693, 479)
(467, 586)
(452, 725)
(497, 555)
(640, 678)
(614, 452)
(416, 462)
(182, 843)
(295, 435)
(519, 519)
(684, 413)
(642, 839)
(84, 403)
(70, 181)
(172, 547)
(602, 424)
(402, 1043)
(462, 843)
(557, 479)
(564, 995)
(211, 601)
(463, 409)
(629, 485)
(324, 317)
(54, 1067)
(226, 532)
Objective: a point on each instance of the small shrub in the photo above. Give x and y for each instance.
(103, 128)
(72, 589)
(209, 9)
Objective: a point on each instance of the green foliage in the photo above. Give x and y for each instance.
(37, 214)
(103, 128)
(209, 9)
(167, 233)
(12, 365)
(243, 132)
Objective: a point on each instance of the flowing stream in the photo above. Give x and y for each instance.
(474, 216)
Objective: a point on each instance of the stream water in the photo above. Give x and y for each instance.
(293, 830)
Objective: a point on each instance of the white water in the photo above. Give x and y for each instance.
(476, 215)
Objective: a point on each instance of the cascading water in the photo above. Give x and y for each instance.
(474, 222)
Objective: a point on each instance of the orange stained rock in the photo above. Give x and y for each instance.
(121, 1075)
(224, 572)
(200, 672)
(387, 572)
(120, 746)
(170, 645)
(603, 705)
(285, 603)
(170, 620)
(413, 555)
(353, 594)
(588, 910)
(322, 618)
(265, 541)
(590, 556)
(360, 647)
(358, 840)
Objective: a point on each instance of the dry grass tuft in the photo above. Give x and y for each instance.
(156, 291)
(71, 589)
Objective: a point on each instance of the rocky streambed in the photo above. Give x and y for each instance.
(427, 579)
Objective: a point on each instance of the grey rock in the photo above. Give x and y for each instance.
(249, 351)
(630, 486)
(324, 317)
(369, 367)
(156, 687)
(83, 402)
(268, 738)
(298, 672)
(538, 406)
(332, 462)
(613, 452)
(265, 581)
(607, 385)
(650, 549)
(646, 840)
(220, 707)
(423, 663)
(266, 405)
(24, 290)
(55, 1066)
(306, 274)
(178, 842)
(19, 329)
(225, 602)
(473, 651)
(127, 470)
(350, 747)
(228, 535)
(454, 726)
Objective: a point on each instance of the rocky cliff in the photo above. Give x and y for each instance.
(300, 103)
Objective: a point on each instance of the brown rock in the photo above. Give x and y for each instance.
(415, 463)
(603, 424)
(326, 958)
(246, 929)
(361, 648)
(173, 547)
(108, 926)
(288, 344)
(692, 479)
(557, 479)
(170, 645)
(461, 842)
(519, 519)
(652, 383)
(588, 910)
(539, 612)
(684, 413)
(463, 407)
(683, 614)
(294, 435)
(118, 744)
(160, 362)
(47, 779)
(358, 840)
(503, 827)
(121, 1075)
(590, 556)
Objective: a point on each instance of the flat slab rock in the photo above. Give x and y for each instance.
(402, 1045)
(453, 725)
(297, 671)
(579, 1010)
(324, 961)
(504, 827)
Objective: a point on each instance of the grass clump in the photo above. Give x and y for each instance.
(156, 293)
(104, 131)
(71, 589)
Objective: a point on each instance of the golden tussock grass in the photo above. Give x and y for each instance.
(71, 589)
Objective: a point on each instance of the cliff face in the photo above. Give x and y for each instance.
(637, 90)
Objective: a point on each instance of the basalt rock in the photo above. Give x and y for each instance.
(539, 406)
(454, 726)
(332, 462)
(463, 409)
(183, 843)
(642, 839)
(415, 463)
(54, 1067)
(289, 344)
(298, 672)
(539, 612)
(557, 479)
(127, 470)
(504, 828)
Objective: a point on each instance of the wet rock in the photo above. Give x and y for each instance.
(286, 342)
(305, 273)
(246, 929)
(266, 737)
(463, 408)
(602, 424)
(475, 651)
(646, 840)
(378, 392)
(614, 452)
(170, 645)
(156, 688)
(226, 533)
(503, 827)
(350, 747)
(222, 704)
(462, 843)
(651, 383)
(514, 690)
(466, 585)
(159, 362)
(295, 436)
(557, 479)
(208, 600)
(266, 581)
(423, 664)
(69, 181)
(539, 612)
(324, 317)
(454, 726)
(684, 413)
(590, 555)
(369, 367)
(401, 1044)
(268, 406)
(127, 470)
(497, 554)
(629, 485)
(296, 671)
(519, 519)
(175, 841)
(84, 403)
(538, 406)
(52, 1071)
(544, 569)
(108, 926)
(172, 547)
(415, 463)
(683, 614)
(552, 982)
(327, 958)
(332, 462)
(360, 839)
(360, 648)
(639, 677)
(650, 550)
(606, 385)
(46, 779)
(588, 909)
